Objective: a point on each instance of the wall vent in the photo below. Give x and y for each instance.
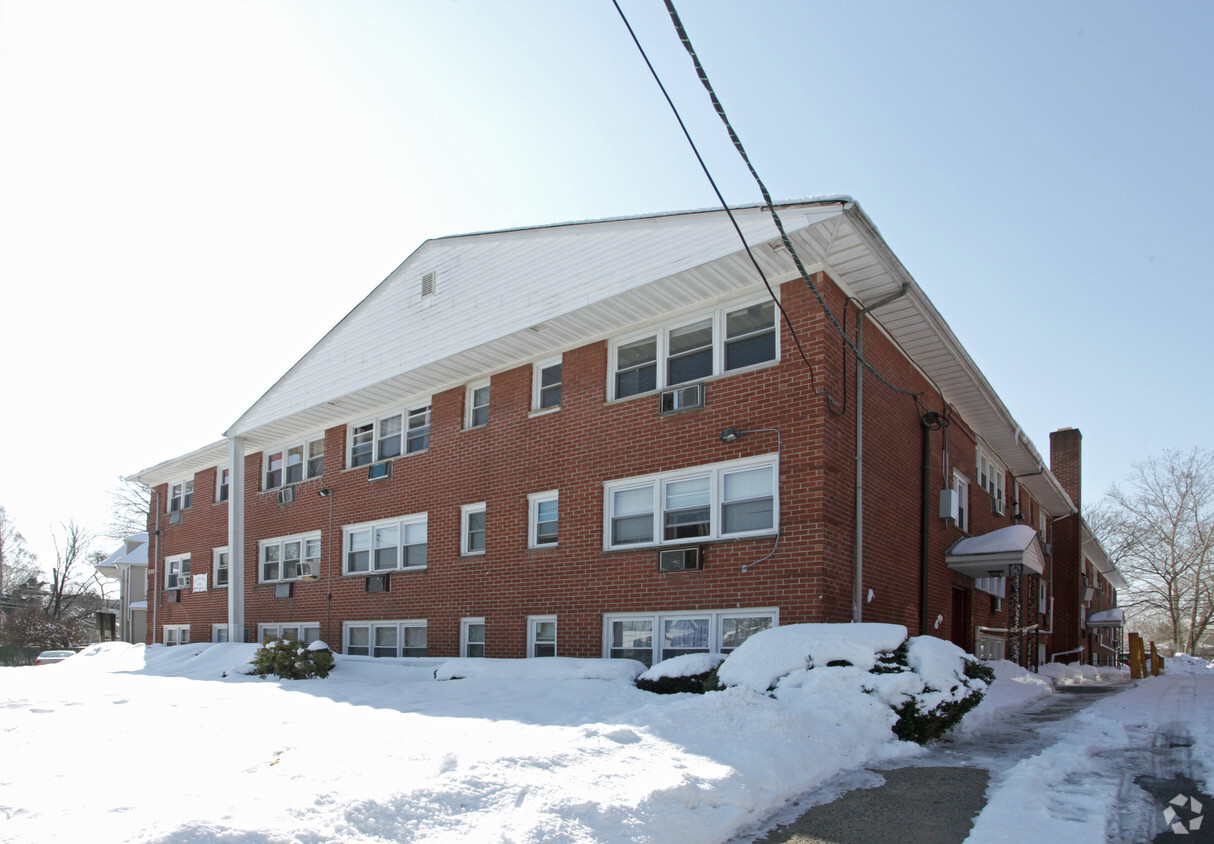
(678, 399)
(428, 284)
(377, 583)
(681, 559)
(286, 495)
(379, 471)
(282, 590)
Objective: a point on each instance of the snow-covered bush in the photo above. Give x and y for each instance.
(695, 673)
(291, 660)
(920, 687)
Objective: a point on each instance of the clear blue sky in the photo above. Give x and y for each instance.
(192, 193)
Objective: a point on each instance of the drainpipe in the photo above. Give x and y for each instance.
(236, 540)
(857, 554)
(930, 421)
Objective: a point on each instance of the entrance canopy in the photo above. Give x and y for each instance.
(991, 554)
(1107, 618)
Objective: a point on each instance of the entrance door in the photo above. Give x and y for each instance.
(959, 624)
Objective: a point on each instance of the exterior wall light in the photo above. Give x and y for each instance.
(730, 435)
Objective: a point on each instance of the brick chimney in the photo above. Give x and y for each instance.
(1066, 447)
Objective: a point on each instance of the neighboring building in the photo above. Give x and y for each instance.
(607, 439)
(128, 564)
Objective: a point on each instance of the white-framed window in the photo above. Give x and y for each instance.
(733, 337)
(1043, 527)
(472, 529)
(961, 487)
(287, 558)
(653, 637)
(223, 476)
(1042, 596)
(294, 462)
(476, 405)
(543, 519)
(219, 567)
(996, 586)
(390, 434)
(989, 647)
(732, 499)
(181, 495)
(176, 634)
(384, 638)
(398, 544)
(300, 631)
(472, 637)
(546, 385)
(177, 572)
(992, 477)
(219, 633)
(541, 635)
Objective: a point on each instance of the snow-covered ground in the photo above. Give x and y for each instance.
(175, 744)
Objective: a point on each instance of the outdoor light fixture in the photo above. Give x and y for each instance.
(730, 435)
(325, 493)
(995, 572)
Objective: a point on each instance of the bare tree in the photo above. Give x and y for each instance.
(1159, 531)
(18, 568)
(73, 575)
(129, 504)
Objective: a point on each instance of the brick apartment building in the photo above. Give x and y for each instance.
(610, 439)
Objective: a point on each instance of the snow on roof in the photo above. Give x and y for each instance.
(1012, 539)
(979, 556)
(1107, 618)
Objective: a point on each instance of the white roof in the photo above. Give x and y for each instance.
(1107, 618)
(132, 552)
(991, 553)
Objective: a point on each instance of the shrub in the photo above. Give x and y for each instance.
(290, 660)
(695, 684)
(919, 723)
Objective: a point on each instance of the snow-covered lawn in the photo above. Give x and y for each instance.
(157, 744)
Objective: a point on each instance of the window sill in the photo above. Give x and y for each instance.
(472, 555)
(545, 547)
(684, 543)
(543, 411)
(379, 572)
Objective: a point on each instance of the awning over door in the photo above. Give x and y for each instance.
(990, 555)
(1107, 618)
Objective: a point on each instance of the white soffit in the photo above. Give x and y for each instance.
(209, 456)
(575, 282)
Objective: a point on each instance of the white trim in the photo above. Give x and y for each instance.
(177, 572)
(401, 626)
(215, 554)
(371, 530)
(222, 488)
(184, 500)
(661, 333)
(181, 634)
(470, 408)
(305, 461)
(537, 388)
(534, 500)
(310, 561)
(533, 621)
(658, 486)
(961, 486)
(264, 631)
(219, 633)
(466, 511)
(716, 619)
(407, 444)
(464, 643)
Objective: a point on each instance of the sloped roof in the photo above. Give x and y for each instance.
(981, 556)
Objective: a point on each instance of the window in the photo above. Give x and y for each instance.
(472, 529)
(1043, 527)
(543, 519)
(222, 477)
(390, 435)
(996, 586)
(1042, 596)
(988, 647)
(181, 495)
(546, 389)
(219, 633)
(293, 463)
(541, 635)
(724, 340)
(220, 566)
(653, 638)
(384, 638)
(176, 634)
(738, 498)
(289, 558)
(177, 572)
(303, 632)
(961, 487)
(476, 402)
(992, 478)
(398, 544)
(472, 637)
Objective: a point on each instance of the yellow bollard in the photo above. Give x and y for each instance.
(1154, 661)
(1136, 657)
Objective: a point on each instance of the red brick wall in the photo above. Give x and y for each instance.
(589, 441)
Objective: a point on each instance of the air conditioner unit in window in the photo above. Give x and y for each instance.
(996, 603)
(379, 471)
(687, 397)
(282, 590)
(1088, 594)
(377, 583)
(286, 495)
(997, 506)
(184, 581)
(681, 559)
(175, 517)
(1049, 549)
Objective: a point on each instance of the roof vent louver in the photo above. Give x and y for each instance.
(428, 284)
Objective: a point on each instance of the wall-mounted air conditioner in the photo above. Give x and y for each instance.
(175, 517)
(286, 495)
(282, 590)
(377, 583)
(678, 399)
(950, 504)
(379, 471)
(681, 559)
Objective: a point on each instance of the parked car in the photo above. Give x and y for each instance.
(49, 657)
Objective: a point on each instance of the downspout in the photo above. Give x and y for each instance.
(928, 422)
(236, 631)
(857, 597)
